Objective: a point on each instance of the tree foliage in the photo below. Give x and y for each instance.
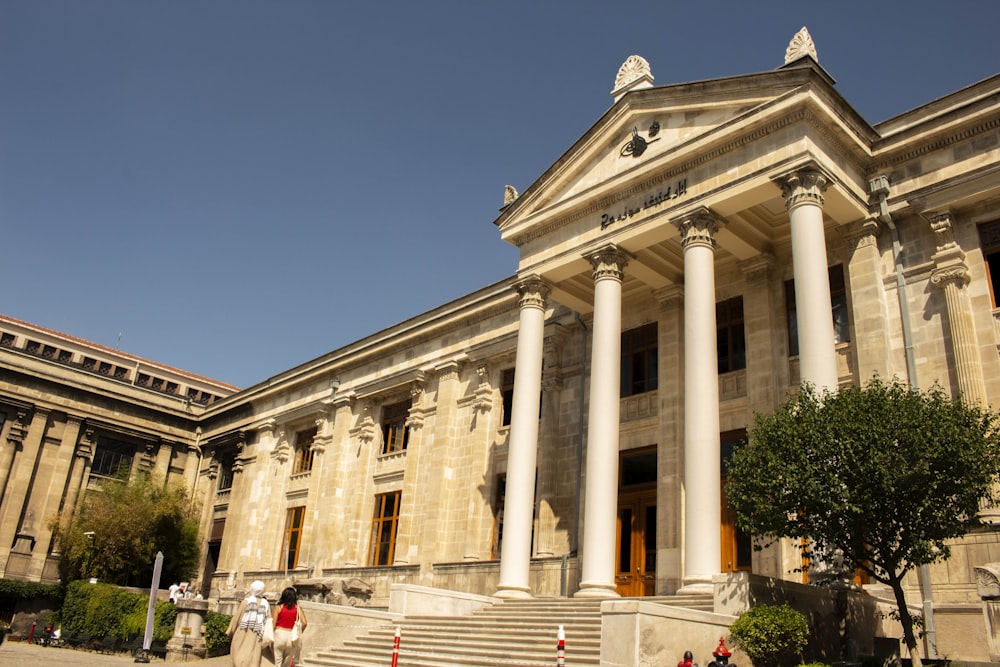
(118, 530)
(880, 477)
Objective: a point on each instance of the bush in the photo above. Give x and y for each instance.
(214, 631)
(769, 633)
(103, 610)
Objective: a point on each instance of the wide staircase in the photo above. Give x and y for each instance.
(517, 633)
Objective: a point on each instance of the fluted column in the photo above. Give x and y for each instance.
(597, 567)
(803, 192)
(702, 494)
(951, 274)
(515, 551)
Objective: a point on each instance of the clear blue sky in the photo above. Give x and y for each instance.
(237, 187)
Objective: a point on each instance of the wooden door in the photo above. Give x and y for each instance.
(635, 574)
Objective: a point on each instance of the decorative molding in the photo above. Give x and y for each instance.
(533, 292)
(801, 45)
(608, 262)
(804, 186)
(509, 195)
(699, 228)
(988, 581)
(634, 73)
(484, 391)
(942, 224)
(957, 273)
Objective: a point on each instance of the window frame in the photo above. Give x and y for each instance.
(640, 360)
(302, 462)
(731, 335)
(395, 432)
(382, 548)
(291, 544)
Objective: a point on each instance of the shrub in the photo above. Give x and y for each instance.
(769, 633)
(214, 631)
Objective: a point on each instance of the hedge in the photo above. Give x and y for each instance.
(102, 610)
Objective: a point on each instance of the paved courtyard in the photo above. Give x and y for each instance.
(21, 654)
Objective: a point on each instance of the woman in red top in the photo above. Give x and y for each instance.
(287, 638)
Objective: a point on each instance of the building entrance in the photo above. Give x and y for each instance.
(636, 570)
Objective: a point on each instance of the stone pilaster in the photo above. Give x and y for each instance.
(872, 342)
(951, 274)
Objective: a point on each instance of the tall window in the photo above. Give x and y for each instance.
(989, 239)
(507, 394)
(395, 435)
(639, 360)
(226, 462)
(384, 523)
(112, 458)
(293, 536)
(303, 451)
(838, 301)
(730, 336)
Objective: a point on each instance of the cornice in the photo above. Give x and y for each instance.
(914, 149)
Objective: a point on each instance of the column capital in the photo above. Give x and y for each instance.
(804, 186)
(608, 262)
(533, 291)
(758, 268)
(955, 272)
(698, 228)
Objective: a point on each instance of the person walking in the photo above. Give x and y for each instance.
(289, 624)
(249, 645)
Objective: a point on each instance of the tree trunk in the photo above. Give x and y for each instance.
(906, 620)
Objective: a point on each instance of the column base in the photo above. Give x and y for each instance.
(591, 590)
(697, 586)
(513, 593)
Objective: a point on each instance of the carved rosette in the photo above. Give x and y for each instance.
(633, 69)
(533, 292)
(698, 229)
(801, 45)
(509, 195)
(484, 392)
(608, 264)
(988, 581)
(804, 187)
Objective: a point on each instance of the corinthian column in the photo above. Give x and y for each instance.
(515, 551)
(952, 275)
(702, 494)
(597, 568)
(803, 192)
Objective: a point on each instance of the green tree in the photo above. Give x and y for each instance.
(768, 633)
(118, 530)
(878, 478)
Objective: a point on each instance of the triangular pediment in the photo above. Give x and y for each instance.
(647, 131)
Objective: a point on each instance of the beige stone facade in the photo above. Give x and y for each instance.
(701, 250)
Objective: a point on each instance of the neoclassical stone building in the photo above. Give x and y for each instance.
(698, 253)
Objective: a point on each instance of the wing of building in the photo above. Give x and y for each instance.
(698, 253)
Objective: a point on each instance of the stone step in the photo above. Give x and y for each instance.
(513, 633)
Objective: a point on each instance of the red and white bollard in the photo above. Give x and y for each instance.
(561, 648)
(395, 648)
